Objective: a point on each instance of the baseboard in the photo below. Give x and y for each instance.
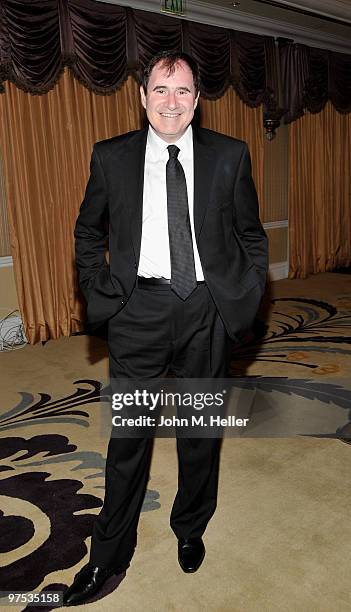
(6, 262)
(279, 270)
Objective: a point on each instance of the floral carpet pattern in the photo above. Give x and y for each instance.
(45, 503)
(301, 330)
(50, 485)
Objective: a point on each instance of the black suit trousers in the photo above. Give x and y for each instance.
(157, 333)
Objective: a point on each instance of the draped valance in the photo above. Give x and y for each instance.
(104, 43)
(311, 77)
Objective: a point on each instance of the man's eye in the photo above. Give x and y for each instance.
(161, 91)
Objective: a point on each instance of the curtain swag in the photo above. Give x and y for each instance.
(311, 77)
(104, 43)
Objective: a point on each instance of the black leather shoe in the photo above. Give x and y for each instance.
(86, 584)
(191, 554)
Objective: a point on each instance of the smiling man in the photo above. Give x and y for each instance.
(170, 96)
(187, 269)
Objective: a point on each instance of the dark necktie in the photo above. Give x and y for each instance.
(183, 276)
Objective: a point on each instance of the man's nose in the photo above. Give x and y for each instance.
(171, 100)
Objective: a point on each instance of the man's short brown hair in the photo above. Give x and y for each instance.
(169, 59)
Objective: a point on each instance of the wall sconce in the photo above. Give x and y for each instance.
(271, 122)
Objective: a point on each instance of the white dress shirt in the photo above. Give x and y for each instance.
(154, 253)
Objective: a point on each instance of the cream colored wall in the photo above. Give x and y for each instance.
(276, 177)
(278, 244)
(4, 225)
(8, 293)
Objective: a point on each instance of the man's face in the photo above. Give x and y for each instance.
(170, 100)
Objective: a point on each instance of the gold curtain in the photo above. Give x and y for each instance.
(320, 192)
(46, 143)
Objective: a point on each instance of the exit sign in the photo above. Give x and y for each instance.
(176, 7)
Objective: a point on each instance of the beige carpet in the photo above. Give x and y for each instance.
(280, 539)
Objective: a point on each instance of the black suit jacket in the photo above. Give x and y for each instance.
(231, 241)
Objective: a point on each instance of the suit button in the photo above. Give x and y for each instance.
(122, 302)
(135, 265)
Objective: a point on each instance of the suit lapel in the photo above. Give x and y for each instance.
(134, 175)
(204, 159)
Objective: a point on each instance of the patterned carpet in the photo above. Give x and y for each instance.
(52, 450)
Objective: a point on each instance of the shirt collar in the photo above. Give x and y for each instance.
(157, 148)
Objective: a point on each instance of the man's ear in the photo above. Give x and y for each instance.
(142, 96)
(196, 100)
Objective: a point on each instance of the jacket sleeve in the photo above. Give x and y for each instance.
(91, 230)
(246, 218)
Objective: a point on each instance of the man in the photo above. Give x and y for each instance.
(187, 269)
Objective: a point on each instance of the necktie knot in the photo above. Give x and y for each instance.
(173, 151)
